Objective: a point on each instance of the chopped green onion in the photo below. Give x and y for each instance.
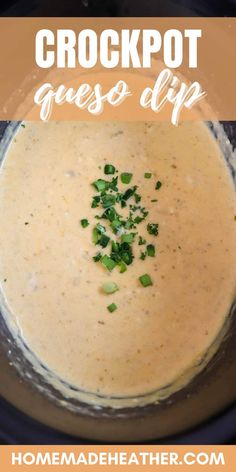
(137, 197)
(110, 287)
(115, 256)
(151, 250)
(129, 223)
(134, 208)
(108, 262)
(112, 307)
(109, 169)
(126, 253)
(122, 267)
(104, 240)
(129, 193)
(98, 257)
(154, 200)
(138, 219)
(110, 214)
(153, 228)
(127, 257)
(84, 223)
(158, 185)
(96, 236)
(145, 280)
(95, 201)
(101, 185)
(116, 224)
(113, 184)
(141, 241)
(108, 200)
(144, 212)
(127, 238)
(120, 252)
(101, 228)
(115, 246)
(126, 177)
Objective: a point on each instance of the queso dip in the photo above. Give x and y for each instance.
(54, 289)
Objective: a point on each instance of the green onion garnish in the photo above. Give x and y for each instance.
(120, 251)
(112, 307)
(127, 238)
(108, 262)
(153, 228)
(129, 223)
(145, 280)
(110, 214)
(126, 177)
(115, 246)
(101, 185)
(138, 219)
(108, 200)
(84, 223)
(137, 197)
(104, 240)
(96, 235)
(101, 228)
(141, 241)
(122, 267)
(129, 193)
(125, 253)
(109, 169)
(158, 185)
(110, 287)
(113, 184)
(116, 224)
(95, 201)
(98, 257)
(151, 250)
(144, 212)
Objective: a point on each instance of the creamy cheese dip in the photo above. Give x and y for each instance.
(51, 284)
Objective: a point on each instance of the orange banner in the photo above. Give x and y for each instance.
(168, 458)
(111, 68)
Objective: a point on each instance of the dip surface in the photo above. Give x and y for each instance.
(52, 285)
